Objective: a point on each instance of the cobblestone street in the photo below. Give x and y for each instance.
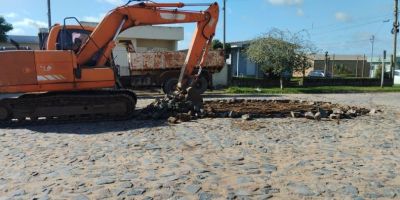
(210, 158)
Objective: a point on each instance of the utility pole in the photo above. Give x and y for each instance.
(49, 13)
(395, 31)
(326, 63)
(372, 42)
(333, 66)
(383, 68)
(363, 67)
(357, 68)
(228, 69)
(224, 32)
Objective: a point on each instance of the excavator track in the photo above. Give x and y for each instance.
(67, 107)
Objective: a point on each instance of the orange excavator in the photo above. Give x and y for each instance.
(78, 82)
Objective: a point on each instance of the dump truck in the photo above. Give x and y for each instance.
(161, 69)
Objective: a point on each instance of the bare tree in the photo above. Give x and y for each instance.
(281, 52)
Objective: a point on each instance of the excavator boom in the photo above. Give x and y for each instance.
(103, 37)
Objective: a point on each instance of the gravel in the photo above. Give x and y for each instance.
(222, 158)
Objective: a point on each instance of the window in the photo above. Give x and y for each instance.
(72, 39)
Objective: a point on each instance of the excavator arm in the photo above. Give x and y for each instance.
(97, 50)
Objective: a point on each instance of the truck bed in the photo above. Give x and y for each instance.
(168, 60)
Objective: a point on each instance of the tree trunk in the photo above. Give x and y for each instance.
(281, 81)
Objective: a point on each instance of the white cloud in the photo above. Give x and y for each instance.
(291, 3)
(286, 2)
(342, 17)
(16, 31)
(300, 12)
(9, 15)
(94, 18)
(26, 22)
(113, 2)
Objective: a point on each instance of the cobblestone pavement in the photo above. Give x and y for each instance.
(210, 158)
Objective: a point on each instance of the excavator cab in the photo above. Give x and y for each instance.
(67, 37)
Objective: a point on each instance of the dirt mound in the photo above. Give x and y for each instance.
(246, 109)
(281, 108)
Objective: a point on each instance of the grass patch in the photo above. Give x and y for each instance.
(311, 90)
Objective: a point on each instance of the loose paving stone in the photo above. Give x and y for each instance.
(125, 185)
(244, 180)
(246, 117)
(103, 194)
(81, 197)
(349, 190)
(165, 193)
(373, 195)
(129, 177)
(300, 189)
(389, 193)
(119, 191)
(309, 115)
(136, 191)
(106, 180)
(205, 196)
(152, 146)
(18, 193)
(193, 189)
(268, 168)
(243, 192)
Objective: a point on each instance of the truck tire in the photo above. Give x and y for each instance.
(4, 113)
(169, 85)
(202, 85)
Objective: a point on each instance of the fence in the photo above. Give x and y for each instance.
(309, 82)
(263, 83)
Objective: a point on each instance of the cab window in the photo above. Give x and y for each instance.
(72, 39)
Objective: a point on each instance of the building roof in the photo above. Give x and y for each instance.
(154, 33)
(23, 39)
(239, 43)
(148, 32)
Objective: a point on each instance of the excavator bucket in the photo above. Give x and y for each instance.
(193, 95)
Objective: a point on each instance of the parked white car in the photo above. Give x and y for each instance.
(397, 77)
(319, 74)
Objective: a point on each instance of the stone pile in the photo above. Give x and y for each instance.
(172, 107)
(176, 110)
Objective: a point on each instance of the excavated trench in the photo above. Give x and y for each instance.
(176, 111)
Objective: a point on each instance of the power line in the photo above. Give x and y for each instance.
(347, 42)
(337, 24)
(347, 27)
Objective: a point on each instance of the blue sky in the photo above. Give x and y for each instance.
(337, 26)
